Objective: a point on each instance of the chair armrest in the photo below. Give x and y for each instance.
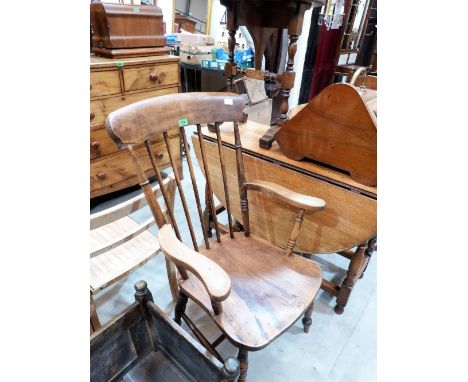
(216, 281)
(304, 202)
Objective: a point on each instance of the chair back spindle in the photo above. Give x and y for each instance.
(225, 184)
(241, 177)
(208, 182)
(166, 198)
(181, 191)
(143, 121)
(145, 185)
(194, 186)
(149, 196)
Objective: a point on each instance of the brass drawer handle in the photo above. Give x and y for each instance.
(153, 77)
(92, 115)
(101, 175)
(157, 77)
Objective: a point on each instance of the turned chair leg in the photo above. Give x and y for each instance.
(243, 357)
(180, 307)
(351, 277)
(307, 320)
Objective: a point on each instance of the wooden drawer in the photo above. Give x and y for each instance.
(147, 77)
(116, 171)
(101, 144)
(105, 83)
(102, 107)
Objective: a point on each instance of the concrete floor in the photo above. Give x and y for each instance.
(337, 348)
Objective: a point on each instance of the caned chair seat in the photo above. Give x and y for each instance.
(269, 291)
(116, 263)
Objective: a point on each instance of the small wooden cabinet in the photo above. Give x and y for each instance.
(115, 83)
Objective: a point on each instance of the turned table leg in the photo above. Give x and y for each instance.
(371, 244)
(352, 275)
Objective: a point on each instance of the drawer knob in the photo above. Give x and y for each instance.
(95, 145)
(153, 77)
(160, 156)
(101, 175)
(92, 115)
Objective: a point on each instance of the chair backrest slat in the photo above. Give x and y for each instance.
(194, 186)
(114, 213)
(209, 188)
(118, 240)
(181, 191)
(241, 178)
(225, 184)
(157, 173)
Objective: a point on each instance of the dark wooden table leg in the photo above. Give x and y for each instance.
(371, 244)
(354, 270)
(267, 139)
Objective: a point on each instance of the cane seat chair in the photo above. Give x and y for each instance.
(253, 290)
(119, 245)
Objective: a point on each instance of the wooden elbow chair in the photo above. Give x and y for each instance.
(253, 290)
(119, 245)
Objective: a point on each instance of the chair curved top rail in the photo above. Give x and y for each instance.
(135, 123)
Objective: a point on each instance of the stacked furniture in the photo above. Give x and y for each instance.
(116, 83)
(119, 245)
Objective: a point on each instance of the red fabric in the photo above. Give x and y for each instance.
(327, 49)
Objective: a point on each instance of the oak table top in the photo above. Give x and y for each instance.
(251, 131)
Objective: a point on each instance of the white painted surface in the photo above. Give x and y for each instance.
(299, 59)
(167, 8)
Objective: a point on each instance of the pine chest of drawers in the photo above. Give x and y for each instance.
(116, 83)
